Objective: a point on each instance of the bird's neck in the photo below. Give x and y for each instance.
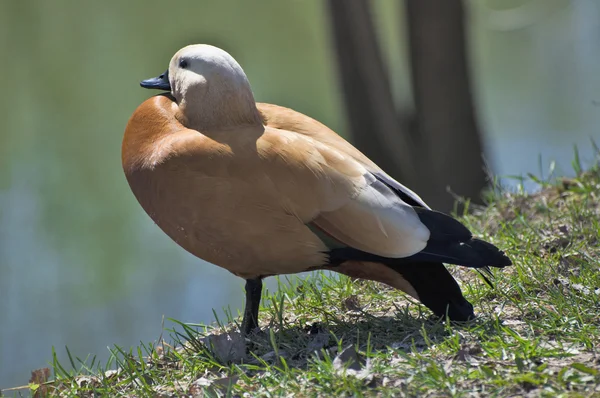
(222, 109)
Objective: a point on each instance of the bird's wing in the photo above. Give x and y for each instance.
(291, 120)
(353, 205)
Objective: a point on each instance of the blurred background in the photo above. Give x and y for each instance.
(424, 87)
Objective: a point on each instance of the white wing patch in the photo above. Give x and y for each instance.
(376, 221)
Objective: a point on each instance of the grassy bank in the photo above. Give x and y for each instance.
(537, 332)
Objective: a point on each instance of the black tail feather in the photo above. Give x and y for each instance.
(442, 227)
(473, 253)
(487, 275)
(451, 242)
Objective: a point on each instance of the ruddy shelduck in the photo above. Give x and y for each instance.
(263, 190)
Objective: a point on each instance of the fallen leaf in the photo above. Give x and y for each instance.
(198, 388)
(349, 362)
(352, 303)
(273, 356)
(227, 347)
(86, 381)
(348, 359)
(578, 287)
(225, 382)
(317, 342)
(512, 322)
(111, 373)
(466, 353)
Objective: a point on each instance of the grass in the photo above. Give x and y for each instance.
(537, 333)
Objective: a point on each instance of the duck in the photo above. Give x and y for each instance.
(262, 190)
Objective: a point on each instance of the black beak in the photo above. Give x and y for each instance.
(159, 83)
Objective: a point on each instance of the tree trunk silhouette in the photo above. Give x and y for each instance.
(445, 117)
(442, 148)
(374, 124)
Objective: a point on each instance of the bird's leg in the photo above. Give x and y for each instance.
(253, 294)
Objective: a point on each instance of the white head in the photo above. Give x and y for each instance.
(209, 86)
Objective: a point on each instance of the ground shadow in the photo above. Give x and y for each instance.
(367, 333)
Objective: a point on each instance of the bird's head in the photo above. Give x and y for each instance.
(209, 86)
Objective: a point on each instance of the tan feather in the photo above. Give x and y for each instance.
(241, 198)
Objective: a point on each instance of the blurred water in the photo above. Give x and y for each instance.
(82, 265)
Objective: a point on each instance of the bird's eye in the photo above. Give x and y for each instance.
(183, 63)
